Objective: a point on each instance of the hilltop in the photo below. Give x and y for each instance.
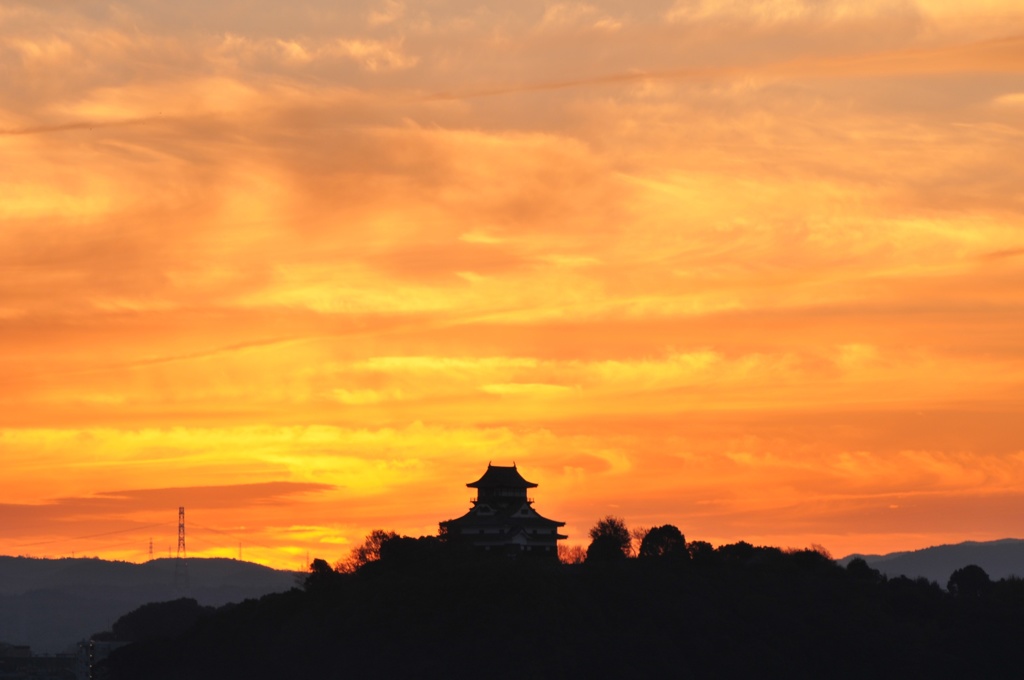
(734, 611)
(51, 604)
(999, 559)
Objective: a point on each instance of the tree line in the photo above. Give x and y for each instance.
(644, 603)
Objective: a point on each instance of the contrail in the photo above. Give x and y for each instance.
(78, 125)
(1001, 54)
(1002, 254)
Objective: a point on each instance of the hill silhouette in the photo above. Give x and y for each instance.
(734, 611)
(51, 604)
(999, 559)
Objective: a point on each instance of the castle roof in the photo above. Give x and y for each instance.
(486, 515)
(498, 476)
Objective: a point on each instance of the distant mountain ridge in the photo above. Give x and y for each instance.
(999, 559)
(50, 604)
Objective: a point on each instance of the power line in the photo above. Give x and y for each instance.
(110, 547)
(181, 547)
(81, 538)
(242, 539)
(217, 531)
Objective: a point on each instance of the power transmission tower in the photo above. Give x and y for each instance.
(151, 549)
(181, 564)
(181, 533)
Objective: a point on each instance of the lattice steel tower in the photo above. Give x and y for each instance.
(181, 564)
(181, 533)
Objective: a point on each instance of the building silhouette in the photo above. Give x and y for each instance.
(502, 519)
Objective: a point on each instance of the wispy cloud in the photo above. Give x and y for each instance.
(748, 259)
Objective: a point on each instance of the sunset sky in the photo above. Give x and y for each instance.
(753, 268)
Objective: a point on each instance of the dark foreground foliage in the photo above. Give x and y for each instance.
(732, 612)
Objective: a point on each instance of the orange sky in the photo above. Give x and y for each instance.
(752, 268)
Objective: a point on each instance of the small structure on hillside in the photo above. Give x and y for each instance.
(502, 519)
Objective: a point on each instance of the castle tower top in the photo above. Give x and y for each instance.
(501, 477)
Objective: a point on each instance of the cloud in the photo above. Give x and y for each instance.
(673, 256)
(389, 12)
(775, 12)
(134, 500)
(562, 16)
(112, 517)
(530, 390)
(371, 55)
(1011, 100)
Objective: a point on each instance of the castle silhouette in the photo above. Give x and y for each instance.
(502, 519)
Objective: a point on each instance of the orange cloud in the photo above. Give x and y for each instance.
(750, 268)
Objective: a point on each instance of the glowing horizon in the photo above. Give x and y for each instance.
(752, 269)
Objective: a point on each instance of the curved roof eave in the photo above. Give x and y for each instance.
(499, 476)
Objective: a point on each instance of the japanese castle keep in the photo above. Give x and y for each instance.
(502, 518)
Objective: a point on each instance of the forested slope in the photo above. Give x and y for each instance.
(737, 610)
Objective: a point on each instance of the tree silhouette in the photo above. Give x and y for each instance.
(664, 542)
(970, 582)
(368, 552)
(399, 551)
(859, 569)
(321, 576)
(637, 536)
(609, 540)
(735, 553)
(572, 554)
(701, 552)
